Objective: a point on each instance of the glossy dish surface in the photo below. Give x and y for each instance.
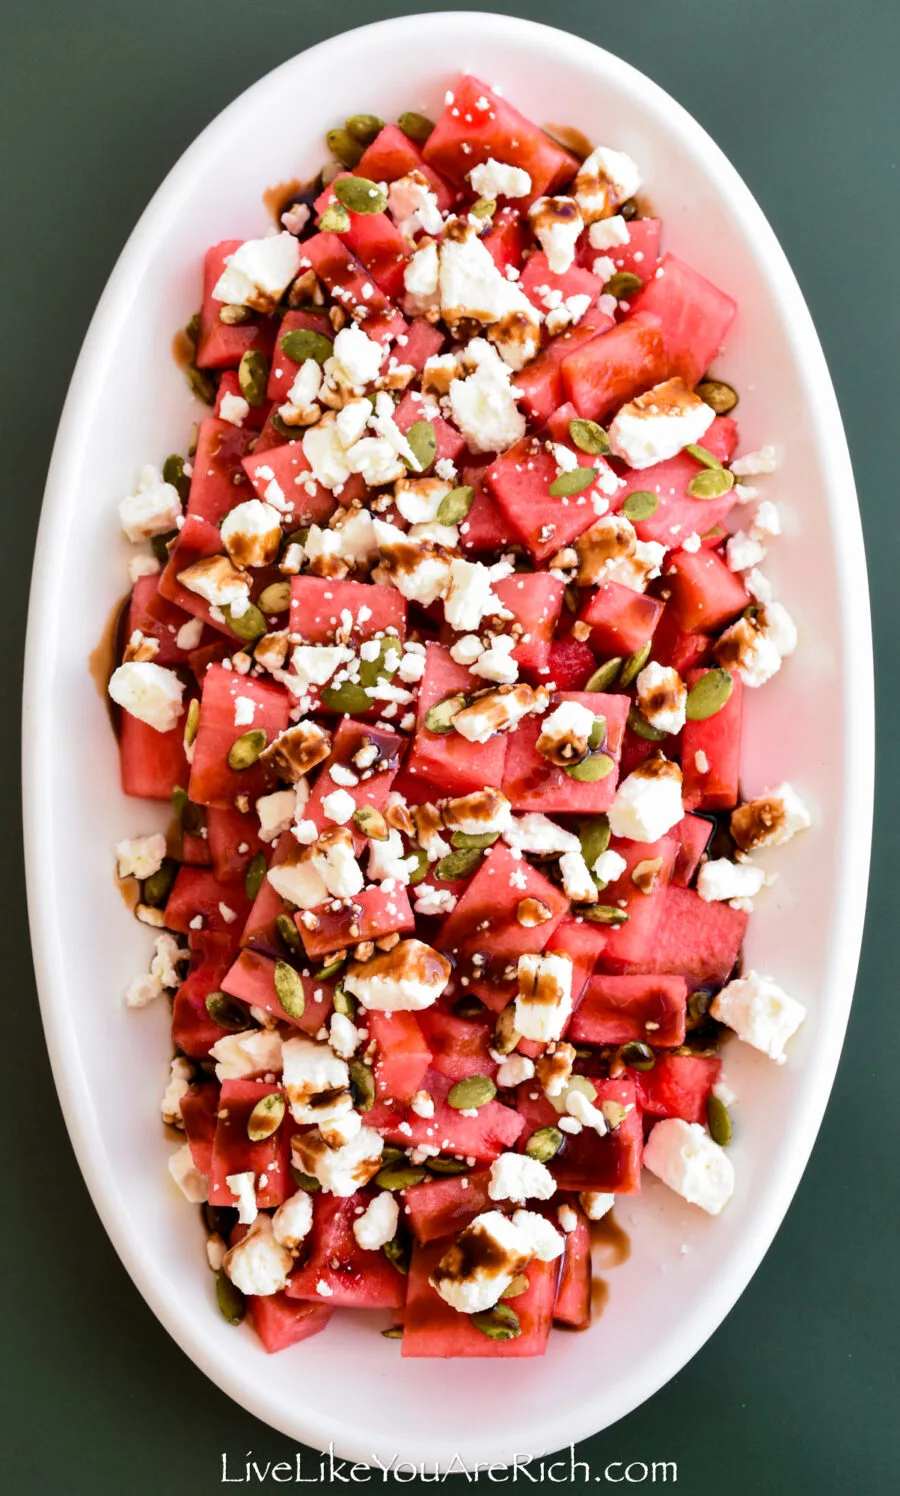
(774, 358)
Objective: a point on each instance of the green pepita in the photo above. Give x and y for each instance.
(597, 734)
(266, 1117)
(173, 472)
(344, 148)
(718, 1120)
(393, 1332)
(708, 695)
(485, 207)
(289, 934)
(638, 1055)
(417, 127)
(604, 914)
(391, 1154)
(246, 749)
(499, 1323)
(471, 1093)
(235, 315)
(634, 665)
(362, 1081)
(384, 666)
(588, 437)
(289, 989)
(160, 545)
(447, 1166)
(622, 284)
(230, 1300)
(420, 866)
(349, 698)
(307, 1182)
(719, 396)
(459, 864)
(605, 675)
(335, 219)
(191, 816)
(249, 625)
(703, 456)
(642, 728)
(517, 1287)
(370, 822)
(595, 766)
(192, 329)
(342, 1001)
(156, 889)
(439, 718)
(640, 505)
(593, 834)
(711, 483)
(423, 443)
(399, 1177)
(364, 127)
(192, 721)
(202, 384)
(506, 1035)
(226, 1011)
(577, 1083)
(253, 376)
(276, 598)
(544, 1144)
(302, 343)
(398, 1254)
(455, 505)
(359, 194)
(576, 480)
(255, 875)
(698, 1004)
(474, 839)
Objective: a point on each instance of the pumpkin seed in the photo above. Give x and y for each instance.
(622, 284)
(587, 436)
(393, 1332)
(290, 935)
(605, 676)
(281, 426)
(391, 1154)
(474, 1091)
(642, 728)
(398, 1254)
(703, 455)
(718, 395)
(485, 207)
(710, 483)
(593, 835)
(302, 343)
(718, 1120)
(474, 839)
(604, 914)
(226, 1011)
(335, 219)
(344, 148)
(447, 1166)
(276, 598)
(246, 749)
(423, 441)
(364, 127)
(455, 505)
(155, 890)
(373, 671)
(517, 1287)
(595, 766)
(640, 505)
(342, 1001)
(230, 1300)
(202, 384)
(191, 816)
(371, 823)
(634, 665)
(307, 1182)
(638, 1055)
(571, 598)
(698, 1004)
(359, 195)
(459, 864)
(565, 485)
(249, 625)
(253, 376)
(439, 718)
(349, 698)
(399, 1177)
(469, 1006)
(499, 1323)
(289, 990)
(417, 127)
(544, 1144)
(266, 1117)
(362, 1081)
(577, 1083)
(192, 329)
(192, 721)
(506, 1035)
(255, 875)
(173, 472)
(160, 545)
(420, 870)
(708, 695)
(235, 315)
(597, 734)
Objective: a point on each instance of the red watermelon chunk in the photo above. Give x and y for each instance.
(193, 1031)
(221, 346)
(570, 663)
(615, 1010)
(621, 620)
(197, 539)
(607, 371)
(198, 1113)
(349, 737)
(213, 781)
(218, 476)
(693, 833)
(485, 527)
(415, 407)
(431, 1328)
(468, 133)
(376, 242)
(587, 1161)
(280, 1322)
(423, 341)
(532, 782)
(252, 980)
(637, 257)
(538, 280)
(507, 238)
(197, 892)
(535, 601)
(228, 830)
(392, 154)
(705, 595)
(718, 740)
(448, 758)
(673, 645)
(459, 1046)
(520, 482)
(694, 317)
(573, 1295)
(679, 1085)
(283, 473)
(151, 763)
(402, 1053)
(352, 287)
(584, 943)
(230, 384)
(317, 607)
(700, 941)
(678, 515)
(157, 618)
(283, 369)
(494, 1130)
(370, 915)
(234, 1153)
(354, 1277)
(541, 383)
(443, 1206)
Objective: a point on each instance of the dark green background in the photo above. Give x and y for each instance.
(796, 1392)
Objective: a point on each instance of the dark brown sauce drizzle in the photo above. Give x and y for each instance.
(609, 1242)
(102, 658)
(570, 139)
(182, 349)
(278, 199)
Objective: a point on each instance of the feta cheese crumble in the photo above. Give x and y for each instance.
(684, 1156)
(760, 1013)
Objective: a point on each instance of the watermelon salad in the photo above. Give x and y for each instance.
(437, 645)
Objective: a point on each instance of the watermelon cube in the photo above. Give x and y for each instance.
(352, 285)
(193, 1031)
(692, 938)
(621, 620)
(402, 1054)
(443, 1206)
(317, 606)
(280, 1322)
(615, 1010)
(678, 514)
(376, 242)
(213, 781)
(235, 1153)
(220, 346)
(151, 763)
(467, 134)
(392, 154)
(705, 595)
(495, 1129)
(587, 1161)
(520, 482)
(354, 1277)
(458, 1046)
(679, 1085)
(573, 1295)
(198, 1113)
(607, 371)
(693, 315)
(431, 1328)
(448, 758)
(369, 916)
(540, 383)
(252, 980)
(218, 476)
(711, 753)
(532, 782)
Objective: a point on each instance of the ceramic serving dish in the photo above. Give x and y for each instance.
(813, 725)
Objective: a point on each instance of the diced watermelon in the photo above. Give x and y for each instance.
(423, 341)
(448, 758)
(458, 1046)
(402, 1054)
(283, 369)
(252, 979)
(354, 1277)
(347, 281)
(623, 890)
(227, 831)
(213, 781)
(615, 1010)
(507, 238)
(678, 515)
(411, 409)
(431, 1328)
(621, 620)
(538, 279)
(193, 1031)
(570, 664)
(198, 1113)
(235, 1153)
(373, 790)
(587, 1161)
(221, 346)
(151, 763)
(693, 833)
(535, 600)
(392, 154)
(705, 595)
(520, 482)
(195, 849)
(485, 527)
(607, 371)
(637, 257)
(532, 782)
(154, 616)
(317, 606)
(230, 384)
(573, 1295)
(287, 468)
(197, 892)
(541, 384)
(694, 316)
(197, 539)
(371, 914)
(673, 645)
(443, 1206)
(679, 1085)
(280, 1322)
(260, 932)
(584, 943)
(698, 940)
(217, 475)
(713, 783)
(495, 1128)
(468, 133)
(376, 242)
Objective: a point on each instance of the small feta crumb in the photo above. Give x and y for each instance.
(259, 1265)
(721, 879)
(648, 803)
(153, 509)
(596, 1204)
(378, 1223)
(339, 806)
(496, 179)
(141, 856)
(517, 1177)
(760, 1013)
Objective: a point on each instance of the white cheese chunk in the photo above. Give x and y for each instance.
(378, 1223)
(537, 834)
(194, 1185)
(684, 1156)
(292, 1221)
(153, 509)
(496, 179)
(411, 976)
(259, 1265)
(259, 272)
(760, 1013)
(648, 803)
(656, 426)
(149, 692)
(141, 856)
(483, 404)
(316, 1081)
(544, 997)
(721, 879)
(251, 1052)
(516, 1177)
(662, 696)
